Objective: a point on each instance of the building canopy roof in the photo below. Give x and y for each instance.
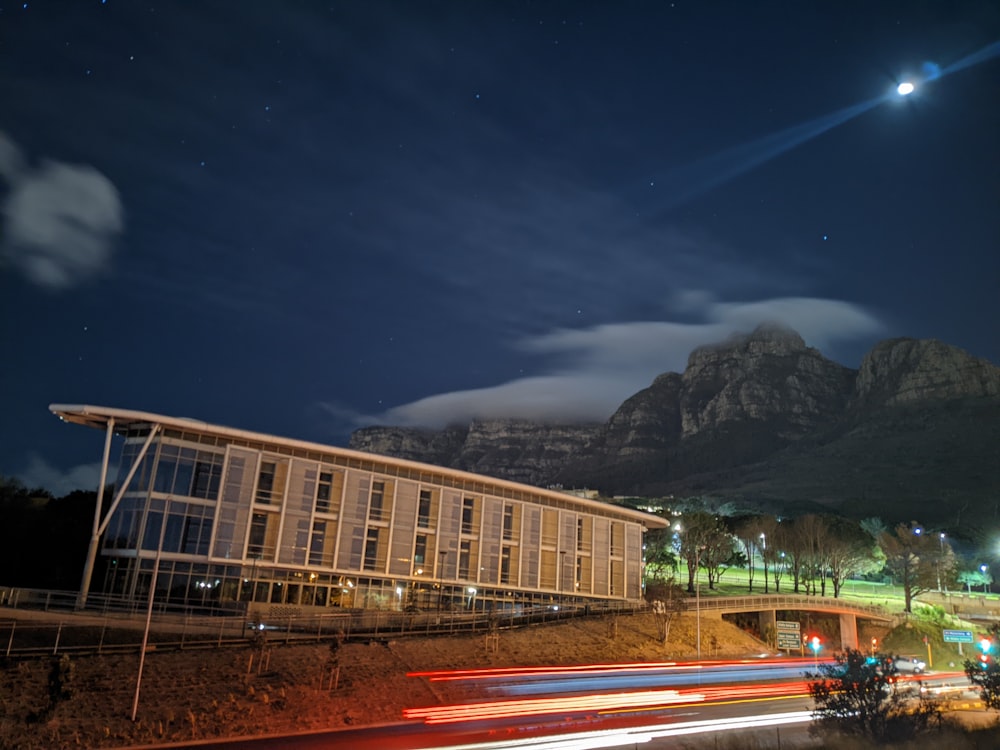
(126, 420)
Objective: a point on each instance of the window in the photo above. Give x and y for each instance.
(323, 490)
(579, 534)
(508, 521)
(424, 509)
(166, 467)
(420, 549)
(463, 559)
(207, 476)
(316, 544)
(505, 565)
(377, 498)
(265, 481)
(468, 505)
(371, 550)
(258, 536)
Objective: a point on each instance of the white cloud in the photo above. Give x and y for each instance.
(11, 161)
(604, 365)
(40, 473)
(60, 220)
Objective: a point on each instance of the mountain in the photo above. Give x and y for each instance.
(764, 420)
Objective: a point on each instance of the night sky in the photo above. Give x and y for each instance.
(303, 218)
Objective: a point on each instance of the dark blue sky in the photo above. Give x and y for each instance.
(301, 218)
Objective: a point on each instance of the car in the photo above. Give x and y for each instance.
(909, 664)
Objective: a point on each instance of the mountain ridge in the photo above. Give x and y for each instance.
(765, 419)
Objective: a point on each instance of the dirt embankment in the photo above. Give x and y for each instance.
(87, 701)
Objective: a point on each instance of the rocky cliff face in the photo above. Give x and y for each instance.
(739, 403)
(906, 371)
(769, 375)
(518, 450)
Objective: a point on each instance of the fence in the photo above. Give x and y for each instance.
(50, 623)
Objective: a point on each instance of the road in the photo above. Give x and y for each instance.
(597, 706)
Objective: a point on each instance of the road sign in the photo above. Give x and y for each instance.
(958, 636)
(789, 641)
(788, 635)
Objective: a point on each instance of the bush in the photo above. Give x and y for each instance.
(859, 696)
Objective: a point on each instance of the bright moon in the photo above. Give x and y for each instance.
(904, 88)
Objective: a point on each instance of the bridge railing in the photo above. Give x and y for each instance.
(786, 601)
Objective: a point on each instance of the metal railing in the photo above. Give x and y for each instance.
(50, 623)
(789, 601)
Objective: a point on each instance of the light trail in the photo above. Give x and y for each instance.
(592, 669)
(594, 703)
(639, 735)
(603, 703)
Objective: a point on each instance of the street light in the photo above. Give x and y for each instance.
(940, 560)
(697, 597)
(982, 569)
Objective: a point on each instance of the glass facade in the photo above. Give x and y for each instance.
(233, 523)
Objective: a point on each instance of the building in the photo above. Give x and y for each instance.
(264, 521)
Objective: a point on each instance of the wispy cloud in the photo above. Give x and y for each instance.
(601, 366)
(40, 473)
(60, 220)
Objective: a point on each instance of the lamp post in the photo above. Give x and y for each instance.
(763, 550)
(940, 560)
(697, 598)
(982, 569)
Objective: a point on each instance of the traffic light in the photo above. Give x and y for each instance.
(815, 644)
(986, 645)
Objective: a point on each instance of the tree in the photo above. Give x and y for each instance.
(698, 531)
(910, 555)
(859, 696)
(667, 600)
(976, 577)
(752, 533)
(850, 550)
(806, 540)
(705, 543)
(662, 563)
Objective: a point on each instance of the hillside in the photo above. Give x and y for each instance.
(766, 421)
(209, 694)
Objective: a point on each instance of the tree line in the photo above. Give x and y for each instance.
(812, 554)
